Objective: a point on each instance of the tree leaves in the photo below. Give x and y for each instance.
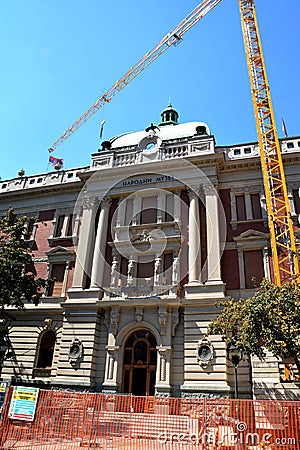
(18, 283)
(270, 319)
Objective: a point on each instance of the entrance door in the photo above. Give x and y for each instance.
(139, 369)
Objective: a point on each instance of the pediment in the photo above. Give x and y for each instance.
(59, 251)
(251, 235)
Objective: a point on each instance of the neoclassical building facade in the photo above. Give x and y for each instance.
(139, 247)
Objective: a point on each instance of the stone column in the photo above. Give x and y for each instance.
(157, 271)
(248, 206)
(163, 369)
(121, 211)
(161, 206)
(112, 352)
(111, 369)
(100, 243)
(213, 235)
(86, 239)
(194, 238)
(137, 202)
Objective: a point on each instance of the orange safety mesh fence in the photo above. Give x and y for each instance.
(71, 420)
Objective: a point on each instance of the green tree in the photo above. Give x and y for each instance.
(269, 319)
(18, 281)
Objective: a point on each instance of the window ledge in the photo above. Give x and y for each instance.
(235, 223)
(56, 240)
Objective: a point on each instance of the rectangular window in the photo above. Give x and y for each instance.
(128, 212)
(169, 213)
(57, 277)
(253, 267)
(70, 226)
(149, 212)
(29, 229)
(167, 268)
(256, 208)
(145, 272)
(240, 207)
(296, 200)
(59, 226)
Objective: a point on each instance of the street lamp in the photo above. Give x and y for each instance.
(235, 355)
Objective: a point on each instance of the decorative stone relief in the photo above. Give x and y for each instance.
(114, 320)
(205, 352)
(130, 272)
(48, 323)
(175, 270)
(163, 320)
(90, 202)
(139, 314)
(75, 352)
(114, 271)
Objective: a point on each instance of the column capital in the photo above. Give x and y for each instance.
(209, 189)
(90, 202)
(112, 349)
(193, 191)
(163, 350)
(106, 201)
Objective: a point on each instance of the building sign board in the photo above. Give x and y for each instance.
(3, 389)
(23, 403)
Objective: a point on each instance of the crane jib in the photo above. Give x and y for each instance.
(172, 38)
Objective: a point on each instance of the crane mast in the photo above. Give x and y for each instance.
(283, 245)
(172, 38)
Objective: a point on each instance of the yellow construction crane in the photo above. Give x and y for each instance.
(285, 261)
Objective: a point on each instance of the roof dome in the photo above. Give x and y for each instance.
(165, 133)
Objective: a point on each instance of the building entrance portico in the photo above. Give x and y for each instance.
(139, 363)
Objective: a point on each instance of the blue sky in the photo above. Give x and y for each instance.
(58, 57)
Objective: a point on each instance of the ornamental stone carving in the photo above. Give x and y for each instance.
(205, 352)
(48, 323)
(75, 352)
(163, 320)
(114, 271)
(139, 314)
(114, 320)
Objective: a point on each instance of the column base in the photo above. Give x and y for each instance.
(164, 390)
(213, 289)
(109, 388)
(205, 390)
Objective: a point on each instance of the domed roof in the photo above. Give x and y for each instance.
(165, 133)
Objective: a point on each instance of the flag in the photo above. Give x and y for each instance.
(101, 128)
(283, 127)
(56, 161)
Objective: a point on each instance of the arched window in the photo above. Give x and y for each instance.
(46, 350)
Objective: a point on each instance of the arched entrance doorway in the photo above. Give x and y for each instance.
(139, 364)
